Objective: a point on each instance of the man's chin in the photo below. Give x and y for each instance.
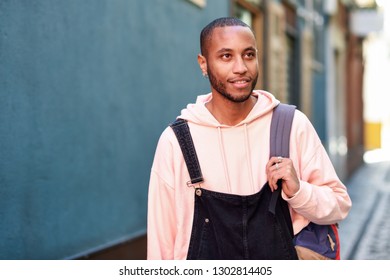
(238, 98)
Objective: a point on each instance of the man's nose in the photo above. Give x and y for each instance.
(239, 66)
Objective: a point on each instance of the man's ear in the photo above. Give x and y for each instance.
(202, 64)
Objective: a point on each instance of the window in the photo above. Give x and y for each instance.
(243, 14)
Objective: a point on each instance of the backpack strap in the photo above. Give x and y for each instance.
(281, 123)
(183, 135)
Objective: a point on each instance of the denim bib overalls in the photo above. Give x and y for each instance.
(229, 226)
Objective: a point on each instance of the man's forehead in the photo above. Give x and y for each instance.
(230, 30)
(226, 37)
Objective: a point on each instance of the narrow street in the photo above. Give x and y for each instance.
(365, 233)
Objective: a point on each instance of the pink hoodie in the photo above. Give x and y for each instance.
(233, 160)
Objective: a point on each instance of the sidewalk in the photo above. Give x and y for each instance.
(365, 233)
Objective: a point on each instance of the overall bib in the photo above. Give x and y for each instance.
(229, 226)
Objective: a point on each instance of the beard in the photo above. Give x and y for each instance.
(220, 87)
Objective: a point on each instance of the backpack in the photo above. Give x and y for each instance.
(322, 239)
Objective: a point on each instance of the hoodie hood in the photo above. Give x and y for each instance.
(199, 114)
(238, 135)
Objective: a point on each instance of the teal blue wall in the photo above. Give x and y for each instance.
(86, 88)
(319, 78)
(319, 105)
(318, 102)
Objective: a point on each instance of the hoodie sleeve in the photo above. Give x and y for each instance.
(322, 197)
(161, 214)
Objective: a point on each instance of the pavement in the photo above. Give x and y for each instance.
(365, 233)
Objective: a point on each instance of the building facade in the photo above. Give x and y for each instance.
(86, 88)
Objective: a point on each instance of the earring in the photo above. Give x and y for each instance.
(205, 75)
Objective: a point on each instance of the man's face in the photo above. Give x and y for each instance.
(232, 64)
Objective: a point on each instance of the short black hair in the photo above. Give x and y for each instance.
(205, 35)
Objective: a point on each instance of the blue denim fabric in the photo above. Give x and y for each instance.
(183, 135)
(228, 226)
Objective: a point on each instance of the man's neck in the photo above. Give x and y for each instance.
(230, 113)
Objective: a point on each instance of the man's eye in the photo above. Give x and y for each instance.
(226, 56)
(250, 55)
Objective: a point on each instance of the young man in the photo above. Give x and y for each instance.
(222, 217)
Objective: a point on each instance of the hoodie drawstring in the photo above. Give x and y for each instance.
(248, 159)
(221, 150)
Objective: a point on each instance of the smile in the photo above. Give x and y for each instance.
(240, 83)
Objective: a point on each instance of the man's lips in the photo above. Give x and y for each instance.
(239, 80)
(240, 83)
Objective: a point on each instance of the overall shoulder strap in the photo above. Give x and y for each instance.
(183, 135)
(281, 123)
